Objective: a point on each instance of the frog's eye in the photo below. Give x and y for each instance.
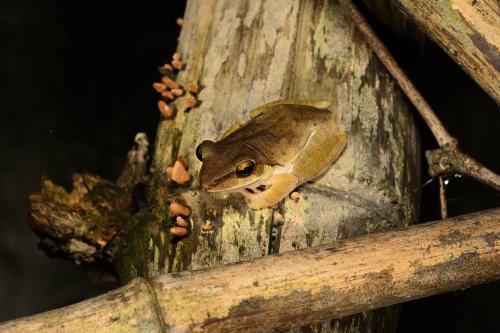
(245, 168)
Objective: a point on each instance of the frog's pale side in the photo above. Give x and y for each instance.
(285, 144)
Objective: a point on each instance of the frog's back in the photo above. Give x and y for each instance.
(313, 134)
(281, 131)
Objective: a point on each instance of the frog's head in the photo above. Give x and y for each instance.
(232, 166)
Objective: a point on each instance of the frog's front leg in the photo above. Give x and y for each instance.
(273, 191)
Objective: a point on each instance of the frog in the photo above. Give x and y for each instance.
(285, 144)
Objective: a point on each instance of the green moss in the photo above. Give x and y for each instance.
(147, 238)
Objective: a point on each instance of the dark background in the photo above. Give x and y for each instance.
(75, 86)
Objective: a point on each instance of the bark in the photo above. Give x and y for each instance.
(289, 290)
(468, 31)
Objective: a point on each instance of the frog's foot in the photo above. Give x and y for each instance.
(272, 192)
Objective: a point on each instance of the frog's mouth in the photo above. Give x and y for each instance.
(234, 188)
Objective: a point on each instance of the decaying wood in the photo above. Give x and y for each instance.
(288, 290)
(449, 158)
(88, 225)
(468, 31)
(136, 166)
(81, 224)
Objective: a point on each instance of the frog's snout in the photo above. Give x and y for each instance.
(206, 180)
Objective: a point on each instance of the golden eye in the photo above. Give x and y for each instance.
(245, 168)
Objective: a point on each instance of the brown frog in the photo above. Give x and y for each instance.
(285, 144)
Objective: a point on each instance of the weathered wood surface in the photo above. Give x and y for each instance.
(289, 290)
(246, 53)
(468, 31)
(131, 308)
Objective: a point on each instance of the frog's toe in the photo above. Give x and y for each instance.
(264, 196)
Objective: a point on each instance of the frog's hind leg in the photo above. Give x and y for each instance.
(233, 128)
(320, 104)
(322, 149)
(278, 187)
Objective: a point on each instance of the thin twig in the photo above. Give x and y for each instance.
(442, 198)
(458, 161)
(450, 160)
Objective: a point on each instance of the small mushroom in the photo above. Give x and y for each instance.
(278, 217)
(179, 173)
(177, 92)
(209, 226)
(178, 231)
(166, 110)
(295, 196)
(159, 87)
(166, 68)
(177, 64)
(177, 209)
(179, 21)
(181, 222)
(169, 82)
(193, 88)
(176, 56)
(168, 95)
(191, 102)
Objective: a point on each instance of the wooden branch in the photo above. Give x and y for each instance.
(284, 291)
(442, 198)
(457, 162)
(468, 31)
(450, 160)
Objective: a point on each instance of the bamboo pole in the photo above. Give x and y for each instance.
(288, 290)
(468, 31)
